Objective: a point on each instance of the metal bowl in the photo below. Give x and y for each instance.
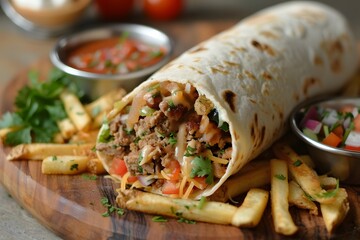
(95, 84)
(340, 163)
(45, 23)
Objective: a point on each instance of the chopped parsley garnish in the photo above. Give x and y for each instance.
(88, 176)
(201, 167)
(297, 163)
(201, 202)
(190, 151)
(75, 166)
(140, 169)
(171, 105)
(184, 220)
(54, 158)
(172, 139)
(110, 208)
(105, 135)
(159, 219)
(330, 193)
(38, 108)
(224, 127)
(280, 176)
(137, 139)
(214, 116)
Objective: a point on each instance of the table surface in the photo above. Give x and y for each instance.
(18, 50)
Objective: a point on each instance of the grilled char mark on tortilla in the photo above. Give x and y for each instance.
(169, 133)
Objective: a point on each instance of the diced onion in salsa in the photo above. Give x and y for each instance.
(335, 127)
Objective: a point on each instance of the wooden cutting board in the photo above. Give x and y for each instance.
(70, 205)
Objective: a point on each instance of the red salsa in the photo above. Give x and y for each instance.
(117, 55)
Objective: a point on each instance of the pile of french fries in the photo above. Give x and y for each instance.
(293, 182)
(71, 150)
(292, 179)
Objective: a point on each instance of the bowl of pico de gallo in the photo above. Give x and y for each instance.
(331, 130)
(116, 55)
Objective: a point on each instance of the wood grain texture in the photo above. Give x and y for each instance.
(70, 205)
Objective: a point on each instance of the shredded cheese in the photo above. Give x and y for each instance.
(197, 184)
(124, 181)
(188, 190)
(182, 186)
(164, 175)
(218, 160)
(136, 184)
(180, 143)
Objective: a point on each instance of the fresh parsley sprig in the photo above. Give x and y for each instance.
(38, 108)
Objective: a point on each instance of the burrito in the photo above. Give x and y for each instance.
(202, 117)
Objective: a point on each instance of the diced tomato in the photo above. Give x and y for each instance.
(86, 59)
(170, 187)
(357, 123)
(352, 148)
(118, 167)
(175, 169)
(339, 131)
(131, 65)
(201, 181)
(332, 140)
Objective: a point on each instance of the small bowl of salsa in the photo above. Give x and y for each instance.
(121, 55)
(330, 128)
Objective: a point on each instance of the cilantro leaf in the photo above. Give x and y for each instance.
(202, 167)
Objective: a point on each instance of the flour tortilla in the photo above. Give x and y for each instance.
(256, 72)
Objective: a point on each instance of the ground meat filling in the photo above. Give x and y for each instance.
(152, 143)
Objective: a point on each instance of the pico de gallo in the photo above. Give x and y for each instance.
(116, 55)
(334, 126)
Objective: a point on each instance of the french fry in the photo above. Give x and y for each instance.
(64, 165)
(67, 128)
(252, 177)
(39, 151)
(251, 210)
(298, 198)
(104, 103)
(306, 177)
(99, 108)
(279, 198)
(85, 137)
(335, 212)
(212, 212)
(308, 161)
(328, 182)
(76, 111)
(58, 138)
(95, 166)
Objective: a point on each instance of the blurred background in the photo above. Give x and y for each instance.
(29, 29)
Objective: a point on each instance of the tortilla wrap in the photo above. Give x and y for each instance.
(256, 72)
